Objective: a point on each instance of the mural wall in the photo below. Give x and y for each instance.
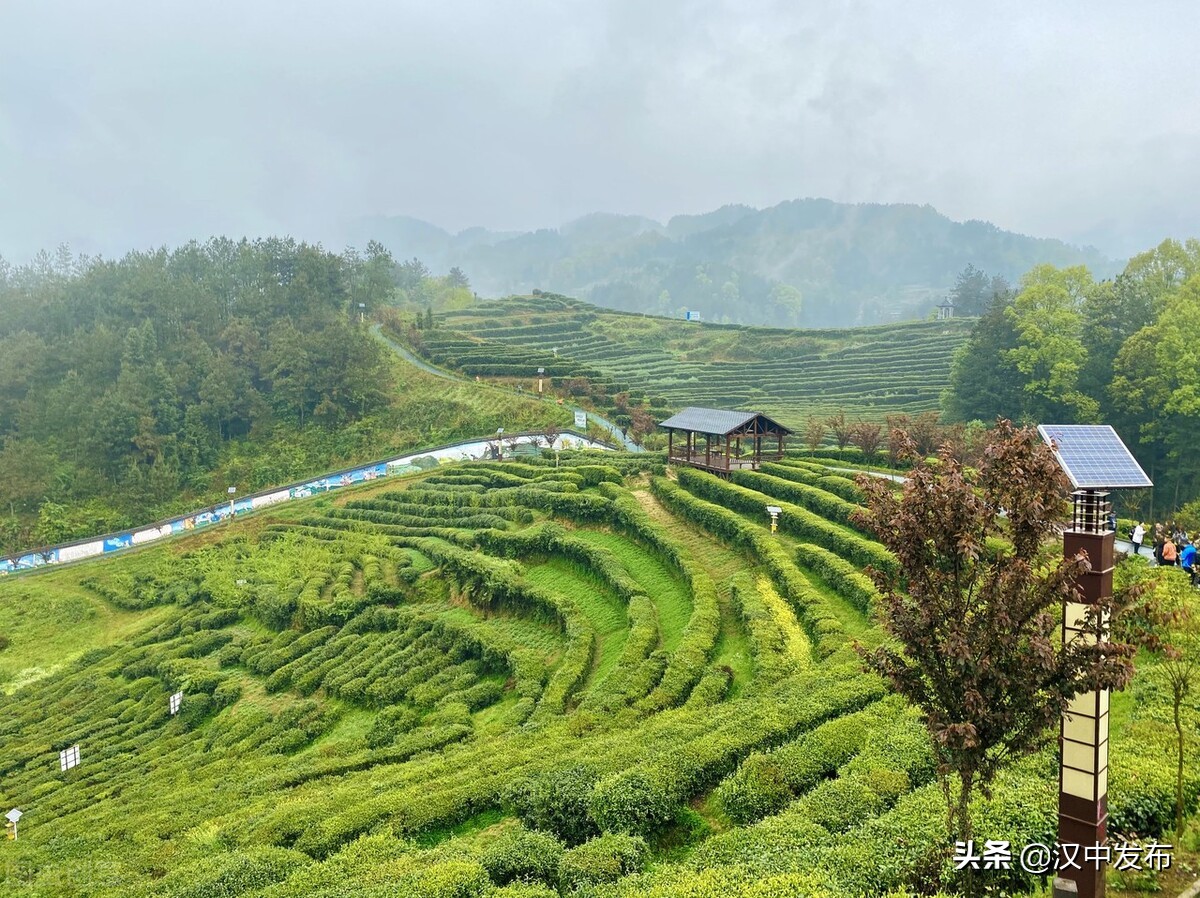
(474, 450)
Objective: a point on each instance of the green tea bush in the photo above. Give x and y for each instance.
(456, 878)
(815, 475)
(1141, 777)
(557, 801)
(818, 501)
(603, 859)
(524, 890)
(390, 723)
(522, 854)
(699, 639)
(764, 783)
(794, 520)
(757, 790)
(228, 874)
(845, 579)
(632, 802)
(712, 688)
(819, 619)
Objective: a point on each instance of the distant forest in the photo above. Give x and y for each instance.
(1066, 348)
(130, 386)
(803, 263)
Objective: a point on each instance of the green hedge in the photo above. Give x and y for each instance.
(797, 521)
(639, 799)
(606, 858)
(824, 628)
(765, 783)
(797, 473)
(522, 854)
(844, 578)
(818, 501)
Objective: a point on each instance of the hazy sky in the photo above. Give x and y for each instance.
(139, 122)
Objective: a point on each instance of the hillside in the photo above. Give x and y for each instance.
(810, 262)
(137, 388)
(790, 374)
(501, 680)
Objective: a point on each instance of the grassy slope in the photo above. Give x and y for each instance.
(664, 587)
(733, 645)
(603, 610)
(50, 620)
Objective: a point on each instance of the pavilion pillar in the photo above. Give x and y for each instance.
(670, 442)
(707, 450)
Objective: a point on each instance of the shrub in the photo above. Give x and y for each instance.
(228, 692)
(557, 801)
(797, 521)
(766, 782)
(818, 618)
(631, 802)
(827, 505)
(522, 854)
(606, 858)
(524, 890)
(390, 723)
(757, 790)
(230, 873)
(844, 578)
(713, 687)
(448, 879)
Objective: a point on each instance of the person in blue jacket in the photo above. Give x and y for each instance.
(1187, 560)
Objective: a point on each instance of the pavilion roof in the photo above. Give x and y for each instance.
(715, 421)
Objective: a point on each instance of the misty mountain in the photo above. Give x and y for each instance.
(811, 262)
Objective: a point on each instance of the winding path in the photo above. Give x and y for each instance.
(412, 358)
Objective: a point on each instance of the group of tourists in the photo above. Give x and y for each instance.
(1171, 547)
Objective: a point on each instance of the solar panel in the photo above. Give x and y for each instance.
(1093, 456)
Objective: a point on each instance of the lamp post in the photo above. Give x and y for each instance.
(232, 491)
(362, 312)
(499, 444)
(1095, 461)
(541, 372)
(774, 511)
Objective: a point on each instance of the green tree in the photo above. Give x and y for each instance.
(974, 291)
(1050, 353)
(1157, 383)
(457, 279)
(984, 382)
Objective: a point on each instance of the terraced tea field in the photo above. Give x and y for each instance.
(790, 374)
(496, 679)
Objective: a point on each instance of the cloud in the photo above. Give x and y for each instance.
(143, 122)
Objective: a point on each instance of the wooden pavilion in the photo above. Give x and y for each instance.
(723, 431)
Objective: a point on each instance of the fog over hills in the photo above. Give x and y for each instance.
(809, 262)
(143, 124)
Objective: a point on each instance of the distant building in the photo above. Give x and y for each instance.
(945, 310)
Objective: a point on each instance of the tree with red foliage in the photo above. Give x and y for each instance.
(975, 607)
